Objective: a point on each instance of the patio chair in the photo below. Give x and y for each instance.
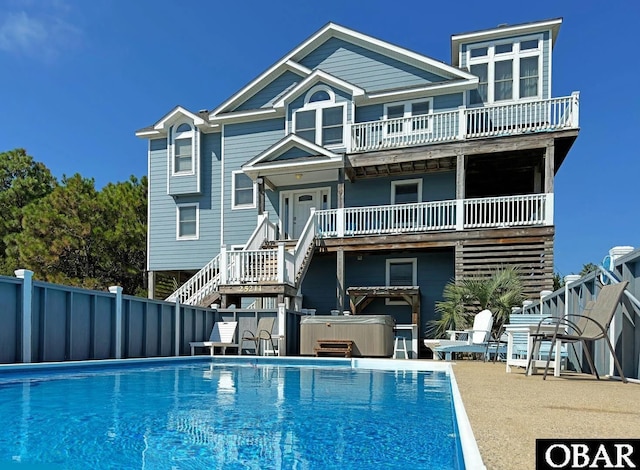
(262, 333)
(221, 336)
(591, 325)
(470, 341)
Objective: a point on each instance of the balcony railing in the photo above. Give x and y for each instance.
(467, 123)
(459, 214)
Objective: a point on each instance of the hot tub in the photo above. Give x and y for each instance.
(372, 335)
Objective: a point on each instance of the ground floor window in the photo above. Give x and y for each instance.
(401, 272)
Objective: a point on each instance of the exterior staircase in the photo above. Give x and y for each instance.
(263, 260)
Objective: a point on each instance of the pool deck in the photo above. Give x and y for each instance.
(508, 412)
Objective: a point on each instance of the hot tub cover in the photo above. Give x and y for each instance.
(350, 319)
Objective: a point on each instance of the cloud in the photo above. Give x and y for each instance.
(41, 35)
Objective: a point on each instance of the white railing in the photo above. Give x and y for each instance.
(508, 211)
(306, 240)
(250, 266)
(200, 285)
(264, 231)
(278, 266)
(467, 123)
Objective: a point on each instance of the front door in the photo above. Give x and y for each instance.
(302, 204)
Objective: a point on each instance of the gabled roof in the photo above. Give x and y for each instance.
(315, 77)
(269, 158)
(200, 120)
(331, 30)
(503, 31)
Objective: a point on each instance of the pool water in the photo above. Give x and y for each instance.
(205, 415)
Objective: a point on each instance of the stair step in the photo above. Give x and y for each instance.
(330, 347)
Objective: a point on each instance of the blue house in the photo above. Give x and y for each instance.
(356, 174)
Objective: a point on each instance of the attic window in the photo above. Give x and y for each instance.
(321, 120)
(320, 95)
(183, 149)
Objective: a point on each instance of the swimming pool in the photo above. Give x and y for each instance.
(232, 414)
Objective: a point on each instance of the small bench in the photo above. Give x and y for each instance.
(331, 347)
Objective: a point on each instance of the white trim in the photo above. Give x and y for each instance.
(318, 192)
(251, 115)
(318, 107)
(418, 92)
(168, 118)
(178, 208)
(222, 175)
(457, 40)
(191, 135)
(311, 80)
(235, 206)
(396, 183)
(414, 274)
(287, 143)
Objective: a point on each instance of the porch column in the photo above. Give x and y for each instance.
(340, 188)
(260, 182)
(460, 191)
(340, 279)
(460, 176)
(549, 167)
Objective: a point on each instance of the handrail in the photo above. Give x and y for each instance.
(306, 239)
(265, 231)
(199, 285)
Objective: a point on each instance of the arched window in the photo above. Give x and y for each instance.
(321, 120)
(183, 149)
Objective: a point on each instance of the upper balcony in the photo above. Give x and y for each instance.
(525, 117)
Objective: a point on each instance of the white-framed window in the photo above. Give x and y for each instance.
(507, 70)
(188, 221)
(243, 191)
(406, 191)
(419, 110)
(321, 120)
(183, 149)
(401, 272)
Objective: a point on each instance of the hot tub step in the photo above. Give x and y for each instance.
(331, 347)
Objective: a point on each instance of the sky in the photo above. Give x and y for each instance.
(78, 78)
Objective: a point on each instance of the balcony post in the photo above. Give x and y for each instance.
(223, 265)
(462, 123)
(340, 222)
(459, 214)
(575, 109)
(281, 263)
(548, 209)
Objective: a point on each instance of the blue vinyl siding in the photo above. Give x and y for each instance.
(242, 142)
(449, 102)
(293, 153)
(165, 252)
(434, 269)
(377, 191)
(271, 92)
(365, 68)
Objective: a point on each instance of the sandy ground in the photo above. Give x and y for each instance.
(508, 412)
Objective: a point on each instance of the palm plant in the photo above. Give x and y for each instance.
(498, 292)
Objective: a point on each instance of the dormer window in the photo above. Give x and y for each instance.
(506, 70)
(183, 149)
(321, 120)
